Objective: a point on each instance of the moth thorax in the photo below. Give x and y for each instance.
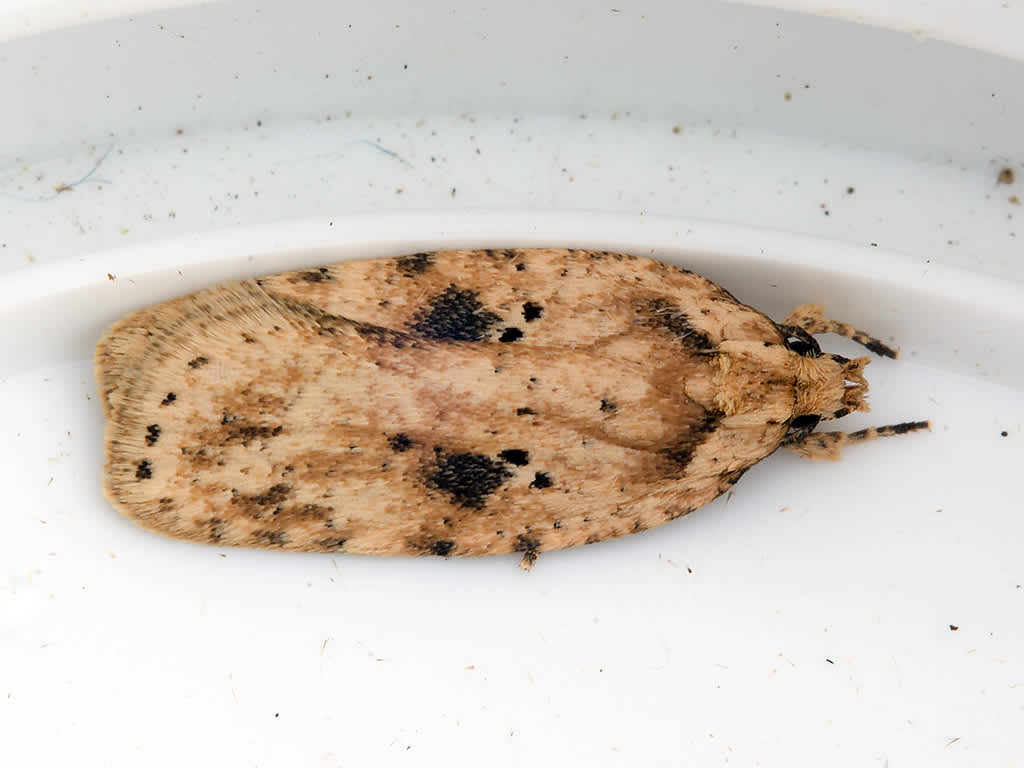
(830, 386)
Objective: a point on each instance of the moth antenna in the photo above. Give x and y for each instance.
(811, 318)
(827, 445)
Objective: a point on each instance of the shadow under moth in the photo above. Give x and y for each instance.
(459, 403)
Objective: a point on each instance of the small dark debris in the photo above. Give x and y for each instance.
(1004, 433)
(1006, 176)
(953, 627)
(830, 661)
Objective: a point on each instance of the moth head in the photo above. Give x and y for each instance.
(829, 387)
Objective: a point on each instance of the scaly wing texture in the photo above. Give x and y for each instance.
(462, 402)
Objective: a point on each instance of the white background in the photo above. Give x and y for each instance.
(804, 620)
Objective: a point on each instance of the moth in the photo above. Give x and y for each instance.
(460, 403)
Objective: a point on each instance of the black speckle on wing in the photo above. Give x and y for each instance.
(414, 264)
(675, 321)
(469, 478)
(682, 452)
(455, 315)
(532, 311)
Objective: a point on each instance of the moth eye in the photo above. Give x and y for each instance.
(800, 427)
(800, 341)
(804, 422)
(799, 346)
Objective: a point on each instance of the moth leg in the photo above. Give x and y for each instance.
(827, 445)
(811, 317)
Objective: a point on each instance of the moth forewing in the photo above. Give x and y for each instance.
(458, 402)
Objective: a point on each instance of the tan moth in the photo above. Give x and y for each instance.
(459, 403)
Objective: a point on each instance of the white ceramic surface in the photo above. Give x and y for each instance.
(863, 613)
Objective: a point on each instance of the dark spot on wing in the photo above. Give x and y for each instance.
(376, 333)
(730, 479)
(525, 412)
(331, 544)
(144, 471)
(414, 264)
(259, 505)
(608, 406)
(515, 456)
(541, 480)
(468, 477)
(511, 334)
(400, 443)
(152, 434)
(526, 543)
(501, 253)
(317, 276)
(171, 397)
(198, 362)
(455, 315)
(236, 428)
(673, 513)
(532, 311)
(271, 539)
(215, 526)
(275, 494)
(682, 452)
(442, 548)
(675, 321)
